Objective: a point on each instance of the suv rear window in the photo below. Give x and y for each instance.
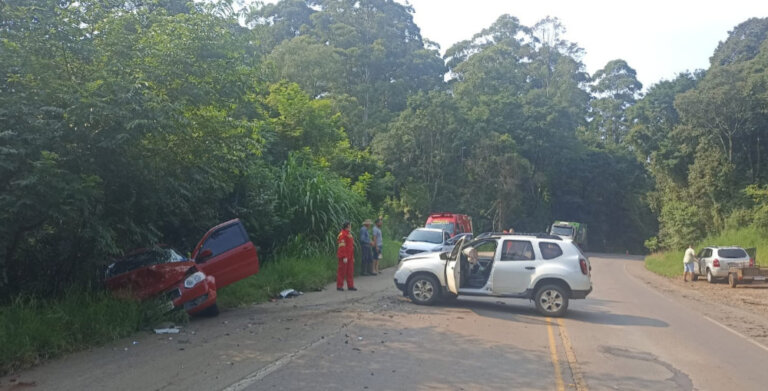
(732, 253)
(550, 250)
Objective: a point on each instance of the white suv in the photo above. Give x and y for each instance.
(540, 267)
(715, 262)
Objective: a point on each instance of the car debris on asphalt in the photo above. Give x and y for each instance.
(167, 330)
(286, 293)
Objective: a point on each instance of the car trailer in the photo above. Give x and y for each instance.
(746, 275)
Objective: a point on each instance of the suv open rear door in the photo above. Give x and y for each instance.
(226, 253)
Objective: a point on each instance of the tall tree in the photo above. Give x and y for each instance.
(616, 88)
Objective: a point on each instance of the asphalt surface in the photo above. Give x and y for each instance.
(626, 335)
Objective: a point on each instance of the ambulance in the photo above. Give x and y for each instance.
(452, 223)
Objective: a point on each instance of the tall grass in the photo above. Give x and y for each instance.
(32, 330)
(670, 263)
(294, 271)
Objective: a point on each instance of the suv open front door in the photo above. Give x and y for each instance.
(226, 253)
(453, 268)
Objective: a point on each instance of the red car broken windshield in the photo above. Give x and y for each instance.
(143, 258)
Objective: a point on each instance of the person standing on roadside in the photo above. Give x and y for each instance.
(365, 248)
(688, 259)
(378, 245)
(346, 254)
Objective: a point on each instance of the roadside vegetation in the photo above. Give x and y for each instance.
(33, 330)
(129, 123)
(670, 263)
(304, 274)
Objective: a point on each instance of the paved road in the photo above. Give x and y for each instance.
(626, 335)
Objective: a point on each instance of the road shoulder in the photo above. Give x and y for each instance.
(743, 310)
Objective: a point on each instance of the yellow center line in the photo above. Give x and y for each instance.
(570, 355)
(553, 356)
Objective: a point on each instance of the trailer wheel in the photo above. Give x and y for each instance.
(732, 280)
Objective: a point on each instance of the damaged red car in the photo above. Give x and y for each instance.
(223, 256)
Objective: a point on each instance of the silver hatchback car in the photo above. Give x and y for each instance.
(715, 262)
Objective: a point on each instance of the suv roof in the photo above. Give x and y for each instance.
(525, 235)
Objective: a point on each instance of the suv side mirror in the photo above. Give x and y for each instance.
(203, 255)
(444, 256)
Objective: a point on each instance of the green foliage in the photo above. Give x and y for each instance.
(294, 270)
(670, 263)
(32, 330)
(125, 123)
(702, 136)
(616, 88)
(652, 244)
(316, 203)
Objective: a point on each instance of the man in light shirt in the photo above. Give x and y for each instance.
(688, 259)
(378, 245)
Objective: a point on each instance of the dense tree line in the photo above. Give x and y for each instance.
(125, 123)
(703, 137)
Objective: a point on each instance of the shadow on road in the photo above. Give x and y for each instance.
(608, 318)
(524, 312)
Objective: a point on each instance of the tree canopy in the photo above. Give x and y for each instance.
(126, 123)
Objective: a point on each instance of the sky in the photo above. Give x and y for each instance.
(659, 39)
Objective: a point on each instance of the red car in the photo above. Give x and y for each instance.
(224, 255)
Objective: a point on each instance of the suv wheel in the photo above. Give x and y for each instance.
(423, 289)
(710, 277)
(551, 300)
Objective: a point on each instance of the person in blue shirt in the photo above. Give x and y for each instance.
(378, 244)
(365, 249)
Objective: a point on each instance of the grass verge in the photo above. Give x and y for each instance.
(301, 273)
(32, 330)
(670, 263)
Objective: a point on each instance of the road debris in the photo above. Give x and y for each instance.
(286, 293)
(167, 330)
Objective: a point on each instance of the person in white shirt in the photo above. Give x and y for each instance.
(688, 259)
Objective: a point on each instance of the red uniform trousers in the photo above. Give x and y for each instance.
(345, 270)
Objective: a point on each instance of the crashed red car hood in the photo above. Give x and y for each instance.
(149, 281)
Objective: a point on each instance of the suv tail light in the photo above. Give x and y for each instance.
(751, 261)
(583, 266)
(716, 263)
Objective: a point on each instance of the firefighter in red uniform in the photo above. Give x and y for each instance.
(346, 255)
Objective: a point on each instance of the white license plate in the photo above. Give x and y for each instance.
(759, 278)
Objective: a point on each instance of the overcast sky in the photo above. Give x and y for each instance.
(657, 38)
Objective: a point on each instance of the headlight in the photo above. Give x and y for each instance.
(193, 280)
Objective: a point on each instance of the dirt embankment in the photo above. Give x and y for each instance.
(743, 309)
